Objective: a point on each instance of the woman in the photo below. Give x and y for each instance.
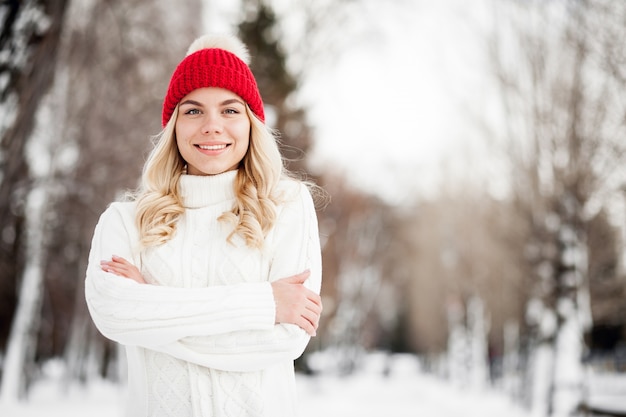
(190, 276)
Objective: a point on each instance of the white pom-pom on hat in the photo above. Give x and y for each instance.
(228, 43)
(214, 61)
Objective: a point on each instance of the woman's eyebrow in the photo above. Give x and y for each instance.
(223, 103)
(231, 101)
(191, 102)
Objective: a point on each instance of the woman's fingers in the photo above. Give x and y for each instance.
(315, 301)
(120, 266)
(296, 304)
(312, 318)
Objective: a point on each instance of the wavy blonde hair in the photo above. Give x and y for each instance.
(159, 204)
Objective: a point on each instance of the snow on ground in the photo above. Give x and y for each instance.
(607, 392)
(358, 395)
(366, 393)
(383, 386)
(398, 396)
(50, 399)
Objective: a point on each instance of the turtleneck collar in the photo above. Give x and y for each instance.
(200, 191)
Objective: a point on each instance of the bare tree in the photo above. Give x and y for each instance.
(30, 40)
(563, 123)
(462, 260)
(363, 264)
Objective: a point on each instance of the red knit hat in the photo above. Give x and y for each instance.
(214, 61)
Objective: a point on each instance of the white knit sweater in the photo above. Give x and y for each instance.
(201, 340)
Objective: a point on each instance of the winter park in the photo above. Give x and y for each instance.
(470, 159)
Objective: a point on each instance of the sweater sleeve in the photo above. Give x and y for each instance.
(151, 315)
(296, 247)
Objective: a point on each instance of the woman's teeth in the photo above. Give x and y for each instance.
(212, 147)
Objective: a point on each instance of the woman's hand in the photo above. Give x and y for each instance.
(120, 266)
(296, 304)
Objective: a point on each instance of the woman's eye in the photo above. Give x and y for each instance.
(192, 111)
(231, 111)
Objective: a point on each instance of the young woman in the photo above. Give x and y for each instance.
(211, 276)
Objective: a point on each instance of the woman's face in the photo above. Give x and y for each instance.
(212, 131)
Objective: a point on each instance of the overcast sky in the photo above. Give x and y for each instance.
(398, 107)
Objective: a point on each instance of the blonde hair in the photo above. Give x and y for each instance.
(159, 204)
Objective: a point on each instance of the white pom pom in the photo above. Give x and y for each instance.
(227, 42)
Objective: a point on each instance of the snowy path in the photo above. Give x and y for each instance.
(402, 396)
(407, 392)
(365, 395)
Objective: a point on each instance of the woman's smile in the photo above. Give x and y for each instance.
(213, 147)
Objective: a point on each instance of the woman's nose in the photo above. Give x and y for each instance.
(212, 124)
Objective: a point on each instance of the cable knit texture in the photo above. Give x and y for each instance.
(201, 339)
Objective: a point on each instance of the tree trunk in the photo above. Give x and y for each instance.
(574, 320)
(478, 330)
(20, 355)
(31, 36)
(28, 44)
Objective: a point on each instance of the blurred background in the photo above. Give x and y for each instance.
(474, 155)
